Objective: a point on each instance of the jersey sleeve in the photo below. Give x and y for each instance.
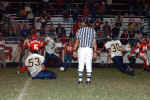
(119, 43)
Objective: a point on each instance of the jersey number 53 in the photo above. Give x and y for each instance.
(34, 62)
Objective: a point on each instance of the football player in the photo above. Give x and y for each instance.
(68, 50)
(115, 50)
(142, 48)
(50, 47)
(36, 67)
(34, 46)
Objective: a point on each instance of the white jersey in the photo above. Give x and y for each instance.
(34, 62)
(50, 46)
(115, 46)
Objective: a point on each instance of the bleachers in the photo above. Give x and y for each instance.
(119, 7)
(68, 26)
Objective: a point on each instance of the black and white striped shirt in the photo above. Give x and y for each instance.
(85, 35)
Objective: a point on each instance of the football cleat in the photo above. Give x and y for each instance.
(146, 70)
(80, 82)
(88, 82)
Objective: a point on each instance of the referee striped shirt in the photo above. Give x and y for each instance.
(85, 35)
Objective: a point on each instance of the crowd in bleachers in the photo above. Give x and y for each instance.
(37, 15)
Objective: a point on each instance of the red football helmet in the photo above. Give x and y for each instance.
(34, 37)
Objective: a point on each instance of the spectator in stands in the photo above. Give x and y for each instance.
(27, 8)
(60, 31)
(90, 3)
(148, 9)
(138, 36)
(97, 24)
(107, 29)
(2, 53)
(66, 16)
(136, 27)
(45, 3)
(75, 28)
(124, 37)
(141, 26)
(131, 38)
(139, 6)
(25, 32)
(93, 12)
(115, 31)
(3, 7)
(22, 13)
(13, 23)
(60, 6)
(109, 5)
(38, 12)
(52, 9)
(85, 13)
(131, 27)
(119, 20)
(68, 5)
(38, 26)
(10, 29)
(76, 13)
(68, 50)
(43, 24)
(52, 30)
(131, 6)
(101, 10)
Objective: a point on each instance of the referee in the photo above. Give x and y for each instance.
(85, 43)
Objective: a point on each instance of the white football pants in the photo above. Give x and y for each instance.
(85, 55)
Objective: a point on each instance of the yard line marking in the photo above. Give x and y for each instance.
(20, 97)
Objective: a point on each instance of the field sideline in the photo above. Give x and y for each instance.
(107, 84)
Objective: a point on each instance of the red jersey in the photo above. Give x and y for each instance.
(142, 46)
(34, 45)
(68, 48)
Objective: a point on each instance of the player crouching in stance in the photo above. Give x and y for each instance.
(141, 50)
(115, 50)
(36, 67)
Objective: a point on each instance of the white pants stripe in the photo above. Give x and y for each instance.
(85, 55)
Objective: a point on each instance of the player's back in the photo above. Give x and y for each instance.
(115, 46)
(35, 45)
(34, 62)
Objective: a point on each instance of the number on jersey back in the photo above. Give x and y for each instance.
(115, 46)
(34, 62)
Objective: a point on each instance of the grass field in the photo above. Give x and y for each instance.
(107, 84)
